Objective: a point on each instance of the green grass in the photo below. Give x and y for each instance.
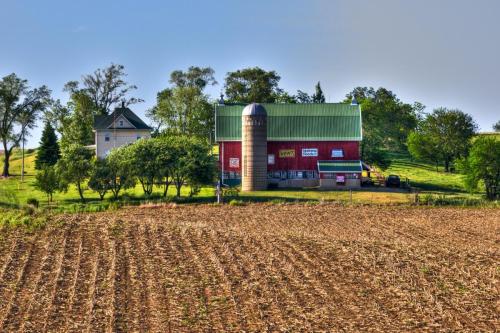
(425, 176)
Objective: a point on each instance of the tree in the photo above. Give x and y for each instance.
(16, 114)
(75, 167)
(184, 111)
(78, 125)
(165, 159)
(48, 152)
(191, 162)
(198, 77)
(58, 116)
(445, 135)
(100, 178)
(386, 119)
(121, 176)
(318, 96)
(143, 163)
(496, 127)
(483, 166)
(105, 87)
(47, 181)
(252, 85)
(284, 97)
(303, 97)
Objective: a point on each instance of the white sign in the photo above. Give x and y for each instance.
(234, 162)
(337, 153)
(340, 179)
(309, 152)
(270, 159)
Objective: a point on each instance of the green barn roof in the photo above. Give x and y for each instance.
(295, 122)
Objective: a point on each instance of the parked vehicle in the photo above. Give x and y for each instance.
(393, 181)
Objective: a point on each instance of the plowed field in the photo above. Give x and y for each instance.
(255, 268)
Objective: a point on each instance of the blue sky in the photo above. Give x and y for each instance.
(440, 53)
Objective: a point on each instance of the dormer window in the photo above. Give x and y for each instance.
(120, 123)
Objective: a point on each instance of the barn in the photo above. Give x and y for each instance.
(289, 145)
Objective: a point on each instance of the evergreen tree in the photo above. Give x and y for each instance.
(48, 153)
(318, 96)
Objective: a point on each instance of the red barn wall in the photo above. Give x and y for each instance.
(233, 150)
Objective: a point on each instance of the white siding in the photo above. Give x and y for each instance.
(117, 138)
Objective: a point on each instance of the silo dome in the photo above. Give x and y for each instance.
(254, 109)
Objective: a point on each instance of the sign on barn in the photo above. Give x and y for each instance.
(309, 152)
(234, 162)
(287, 153)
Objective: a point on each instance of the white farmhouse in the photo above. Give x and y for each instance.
(118, 129)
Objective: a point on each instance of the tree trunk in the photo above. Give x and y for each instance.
(80, 192)
(6, 157)
(447, 165)
(165, 190)
(22, 165)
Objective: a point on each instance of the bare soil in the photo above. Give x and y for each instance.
(255, 268)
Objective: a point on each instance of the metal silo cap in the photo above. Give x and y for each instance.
(254, 109)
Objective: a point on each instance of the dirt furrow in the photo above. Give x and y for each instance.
(228, 306)
(244, 286)
(141, 278)
(10, 241)
(207, 283)
(275, 289)
(65, 286)
(169, 269)
(192, 315)
(24, 290)
(101, 315)
(15, 277)
(81, 306)
(37, 314)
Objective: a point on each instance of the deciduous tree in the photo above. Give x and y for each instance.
(19, 108)
(47, 181)
(252, 85)
(444, 135)
(105, 88)
(75, 167)
(483, 166)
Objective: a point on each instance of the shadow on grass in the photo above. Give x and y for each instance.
(436, 188)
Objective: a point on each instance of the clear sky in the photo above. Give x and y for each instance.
(440, 53)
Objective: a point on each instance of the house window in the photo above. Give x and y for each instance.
(337, 153)
(106, 138)
(121, 123)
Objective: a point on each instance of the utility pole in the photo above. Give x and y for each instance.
(22, 152)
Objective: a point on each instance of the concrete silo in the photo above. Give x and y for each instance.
(254, 148)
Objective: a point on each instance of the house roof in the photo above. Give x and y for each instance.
(295, 122)
(340, 166)
(106, 122)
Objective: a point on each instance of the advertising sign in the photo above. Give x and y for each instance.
(309, 152)
(287, 153)
(337, 153)
(270, 159)
(340, 179)
(234, 162)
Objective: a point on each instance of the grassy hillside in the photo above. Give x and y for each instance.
(424, 176)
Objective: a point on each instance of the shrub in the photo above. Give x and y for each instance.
(235, 202)
(33, 202)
